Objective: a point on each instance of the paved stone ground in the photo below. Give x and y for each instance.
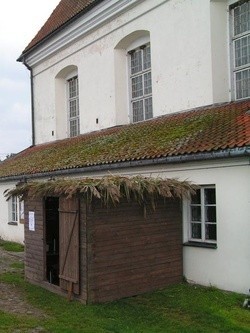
(11, 299)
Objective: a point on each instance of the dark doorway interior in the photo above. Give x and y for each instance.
(52, 239)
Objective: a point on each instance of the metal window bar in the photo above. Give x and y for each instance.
(73, 107)
(141, 83)
(241, 49)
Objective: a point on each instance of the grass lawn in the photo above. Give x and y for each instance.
(11, 246)
(179, 308)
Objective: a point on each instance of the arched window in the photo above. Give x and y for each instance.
(133, 53)
(67, 103)
(133, 80)
(73, 106)
(140, 83)
(240, 21)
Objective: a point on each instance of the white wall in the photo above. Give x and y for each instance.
(228, 266)
(189, 65)
(9, 232)
(220, 47)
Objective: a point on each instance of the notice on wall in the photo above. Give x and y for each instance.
(32, 221)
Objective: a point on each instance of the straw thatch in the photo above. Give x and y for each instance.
(108, 189)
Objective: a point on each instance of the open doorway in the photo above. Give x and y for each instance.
(52, 239)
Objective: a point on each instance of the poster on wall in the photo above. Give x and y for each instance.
(32, 221)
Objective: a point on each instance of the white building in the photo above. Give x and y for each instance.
(102, 66)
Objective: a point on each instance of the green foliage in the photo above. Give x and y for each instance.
(180, 308)
(11, 246)
(13, 278)
(10, 323)
(18, 265)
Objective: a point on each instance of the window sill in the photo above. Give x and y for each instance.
(201, 244)
(12, 223)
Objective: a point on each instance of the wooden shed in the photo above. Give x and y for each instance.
(97, 252)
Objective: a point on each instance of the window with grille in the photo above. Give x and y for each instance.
(203, 215)
(141, 83)
(241, 48)
(73, 107)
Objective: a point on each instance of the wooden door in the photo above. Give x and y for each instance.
(69, 244)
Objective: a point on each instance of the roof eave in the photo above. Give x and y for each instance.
(27, 52)
(174, 159)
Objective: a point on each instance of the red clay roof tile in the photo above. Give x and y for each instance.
(207, 129)
(65, 11)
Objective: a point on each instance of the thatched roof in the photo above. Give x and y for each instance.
(109, 189)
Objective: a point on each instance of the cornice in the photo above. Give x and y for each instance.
(95, 18)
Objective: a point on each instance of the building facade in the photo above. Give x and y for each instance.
(105, 66)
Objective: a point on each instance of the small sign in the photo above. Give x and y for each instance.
(32, 221)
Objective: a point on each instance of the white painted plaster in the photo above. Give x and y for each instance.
(220, 47)
(9, 232)
(190, 66)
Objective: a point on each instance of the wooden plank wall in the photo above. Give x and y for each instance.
(83, 250)
(35, 253)
(34, 241)
(69, 217)
(129, 254)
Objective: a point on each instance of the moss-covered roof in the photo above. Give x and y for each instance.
(206, 129)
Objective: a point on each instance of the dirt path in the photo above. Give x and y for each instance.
(11, 299)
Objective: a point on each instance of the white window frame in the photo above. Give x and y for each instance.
(203, 221)
(132, 76)
(73, 99)
(236, 69)
(14, 213)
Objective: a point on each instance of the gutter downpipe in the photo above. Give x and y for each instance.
(32, 99)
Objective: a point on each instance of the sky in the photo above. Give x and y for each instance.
(19, 23)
